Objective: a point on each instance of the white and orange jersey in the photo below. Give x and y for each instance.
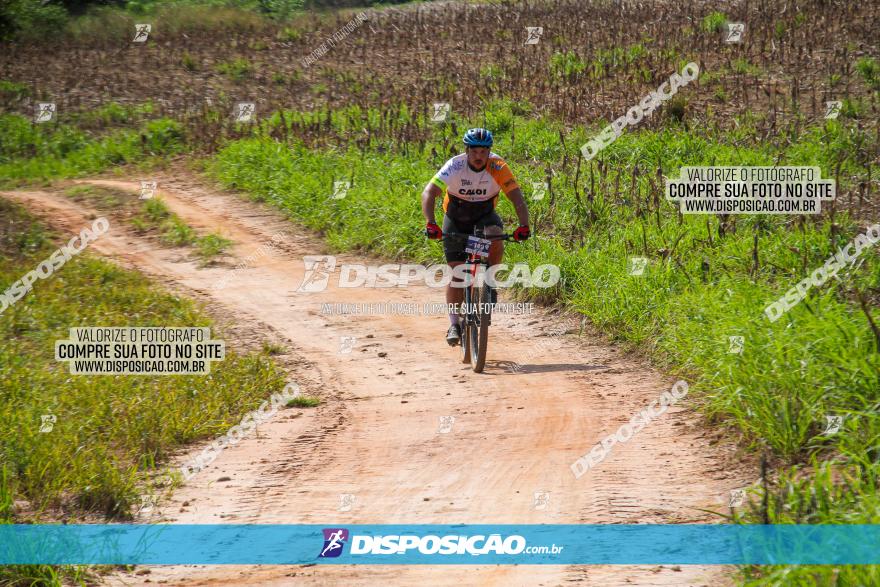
(458, 180)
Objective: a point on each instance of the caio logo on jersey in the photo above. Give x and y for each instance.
(472, 192)
(334, 541)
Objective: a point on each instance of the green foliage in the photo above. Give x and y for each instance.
(163, 136)
(618, 56)
(237, 70)
(566, 65)
(303, 401)
(13, 92)
(176, 232)
(491, 71)
(289, 34)
(189, 62)
(714, 22)
(676, 108)
(172, 230)
(211, 245)
(744, 67)
(155, 210)
(281, 9)
(779, 30)
(100, 197)
(869, 69)
(29, 20)
(30, 152)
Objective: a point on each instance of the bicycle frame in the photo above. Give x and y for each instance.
(477, 308)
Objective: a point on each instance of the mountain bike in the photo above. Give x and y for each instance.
(479, 298)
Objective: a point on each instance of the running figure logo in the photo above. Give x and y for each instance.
(534, 34)
(334, 540)
(735, 32)
(141, 33)
(318, 270)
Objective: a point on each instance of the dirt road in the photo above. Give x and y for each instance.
(377, 435)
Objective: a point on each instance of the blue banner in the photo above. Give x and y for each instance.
(477, 544)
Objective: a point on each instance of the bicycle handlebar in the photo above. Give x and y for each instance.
(495, 237)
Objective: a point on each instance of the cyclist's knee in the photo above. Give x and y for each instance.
(492, 230)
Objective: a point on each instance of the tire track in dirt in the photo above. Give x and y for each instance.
(376, 437)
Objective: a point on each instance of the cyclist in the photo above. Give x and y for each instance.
(470, 184)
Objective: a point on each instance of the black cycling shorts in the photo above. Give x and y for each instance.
(454, 247)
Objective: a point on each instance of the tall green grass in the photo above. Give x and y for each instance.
(41, 152)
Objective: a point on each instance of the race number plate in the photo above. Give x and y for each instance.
(478, 246)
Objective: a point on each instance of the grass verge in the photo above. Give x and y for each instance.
(110, 432)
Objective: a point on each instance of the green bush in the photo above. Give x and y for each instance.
(30, 20)
(566, 65)
(237, 70)
(870, 71)
(164, 136)
(714, 22)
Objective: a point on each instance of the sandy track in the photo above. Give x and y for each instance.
(376, 435)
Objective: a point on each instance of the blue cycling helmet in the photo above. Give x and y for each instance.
(478, 137)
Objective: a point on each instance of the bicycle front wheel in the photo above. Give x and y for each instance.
(480, 327)
(464, 321)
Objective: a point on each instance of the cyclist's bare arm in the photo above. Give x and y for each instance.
(429, 198)
(519, 203)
